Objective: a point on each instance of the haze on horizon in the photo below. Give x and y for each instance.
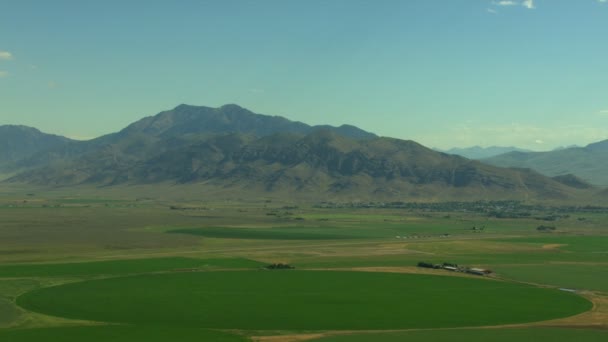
(530, 74)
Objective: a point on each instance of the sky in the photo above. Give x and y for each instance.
(445, 73)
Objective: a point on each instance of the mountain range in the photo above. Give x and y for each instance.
(234, 149)
(478, 152)
(16, 142)
(590, 163)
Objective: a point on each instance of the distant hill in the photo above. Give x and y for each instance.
(478, 152)
(20, 142)
(589, 163)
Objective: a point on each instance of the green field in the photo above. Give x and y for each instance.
(597, 245)
(183, 264)
(116, 333)
(575, 276)
(302, 300)
(8, 312)
(121, 267)
(478, 335)
(273, 233)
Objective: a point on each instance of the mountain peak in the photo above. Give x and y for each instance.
(231, 106)
(229, 118)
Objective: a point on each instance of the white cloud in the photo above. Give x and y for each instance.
(257, 90)
(529, 4)
(6, 55)
(539, 141)
(604, 111)
(493, 11)
(3, 73)
(505, 3)
(602, 1)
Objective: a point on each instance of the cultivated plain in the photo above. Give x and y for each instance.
(123, 264)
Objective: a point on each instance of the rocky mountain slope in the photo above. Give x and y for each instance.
(242, 152)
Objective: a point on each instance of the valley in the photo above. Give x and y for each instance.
(303, 171)
(195, 267)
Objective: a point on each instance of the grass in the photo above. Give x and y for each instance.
(580, 244)
(577, 276)
(116, 333)
(50, 236)
(479, 335)
(121, 267)
(9, 290)
(8, 313)
(282, 233)
(302, 300)
(348, 227)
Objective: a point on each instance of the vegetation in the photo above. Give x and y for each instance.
(122, 267)
(288, 233)
(65, 255)
(279, 266)
(479, 335)
(302, 300)
(117, 333)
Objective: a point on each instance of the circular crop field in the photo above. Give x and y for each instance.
(307, 300)
(116, 333)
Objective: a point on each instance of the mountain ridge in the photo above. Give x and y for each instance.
(478, 152)
(590, 163)
(230, 118)
(236, 150)
(18, 142)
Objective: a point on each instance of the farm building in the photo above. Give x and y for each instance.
(478, 271)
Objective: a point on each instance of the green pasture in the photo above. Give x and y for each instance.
(478, 335)
(116, 333)
(575, 276)
(286, 233)
(418, 223)
(473, 252)
(121, 267)
(8, 313)
(91, 200)
(597, 245)
(302, 300)
(162, 287)
(9, 289)
(339, 230)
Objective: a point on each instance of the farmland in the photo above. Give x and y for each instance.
(302, 300)
(112, 264)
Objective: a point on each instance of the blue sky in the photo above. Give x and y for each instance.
(442, 72)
